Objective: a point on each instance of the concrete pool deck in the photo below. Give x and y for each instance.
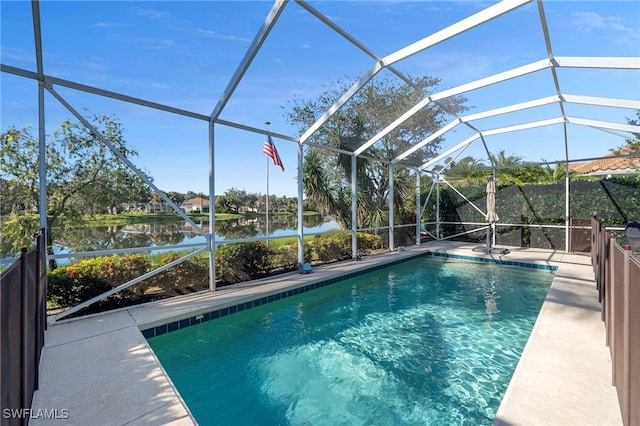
(101, 371)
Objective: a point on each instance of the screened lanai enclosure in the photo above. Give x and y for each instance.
(467, 90)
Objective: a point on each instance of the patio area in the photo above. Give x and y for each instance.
(100, 369)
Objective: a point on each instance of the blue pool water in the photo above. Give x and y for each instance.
(432, 340)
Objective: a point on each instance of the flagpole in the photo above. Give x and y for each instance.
(267, 201)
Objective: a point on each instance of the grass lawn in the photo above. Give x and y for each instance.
(137, 218)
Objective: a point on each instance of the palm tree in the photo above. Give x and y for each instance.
(316, 186)
(548, 174)
(508, 170)
(466, 171)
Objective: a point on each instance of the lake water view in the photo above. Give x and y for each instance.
(158, 234)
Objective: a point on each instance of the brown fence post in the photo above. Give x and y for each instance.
(24, 330)
(611, 289)
(594, 246)
(626, 370)
(41, 304)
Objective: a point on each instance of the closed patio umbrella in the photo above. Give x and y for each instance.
(491, 218)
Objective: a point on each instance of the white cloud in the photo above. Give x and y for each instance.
(102, 24)
(588, 21)
(220, 36)
(17, 55)
(306, 46)
(96, 67)
(152, 13)
(151, 43)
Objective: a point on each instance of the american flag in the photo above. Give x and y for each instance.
(269, 148)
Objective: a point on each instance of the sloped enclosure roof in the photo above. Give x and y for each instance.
(533, 88)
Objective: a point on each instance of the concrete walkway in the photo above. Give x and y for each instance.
(564, 374)
(101, 371)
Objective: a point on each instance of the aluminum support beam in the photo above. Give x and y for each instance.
(609, 62)
(126, 285)
(426, 201)
(42, 135)
(438, 207)
(547, 40)
(369, 52)
(464, 198)
(511, 108)
(252, 51)
(341, 101)
(524, 126)
(337, 29)
(300, 204)
(391, 209)
(459, 27)
(454, 158)
(413, 110)
(125, 160)
(493, 79)
(566, 188)
(418, 210)
(604, 124)
(431, 138)
(354, 206)
(255, 130)
(54, 81)
(608, 102)
(448, 152)
(210, 236)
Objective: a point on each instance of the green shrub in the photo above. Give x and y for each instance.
(369, 242)
(333, 247)
(239, 262)
(284, 257)
(70, 285)
(191, 274)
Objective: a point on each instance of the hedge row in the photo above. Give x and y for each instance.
(615, 201)
(238, 262)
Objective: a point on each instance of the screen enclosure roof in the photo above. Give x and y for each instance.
(547, 81)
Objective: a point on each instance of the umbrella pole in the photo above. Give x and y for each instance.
(489, 239)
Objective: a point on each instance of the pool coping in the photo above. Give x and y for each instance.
(109, 351)
(169, 325)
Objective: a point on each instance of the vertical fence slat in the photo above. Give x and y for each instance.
(605, 280)
(618, 320)
(24, 329)
(613, 301)
(633, 350)
(625, 336)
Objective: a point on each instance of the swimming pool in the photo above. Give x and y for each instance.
(432, 340)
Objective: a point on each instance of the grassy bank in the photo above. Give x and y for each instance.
(138, 218)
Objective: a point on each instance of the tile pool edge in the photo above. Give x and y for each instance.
(249, 302)
(198, 317)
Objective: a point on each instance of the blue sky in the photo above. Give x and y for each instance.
(184, 54)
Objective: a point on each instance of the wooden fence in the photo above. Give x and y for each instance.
(22, 325)
(617, 275)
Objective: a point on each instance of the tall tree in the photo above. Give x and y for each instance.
(634, 143)
(510, 169)
(465, 171)
(327, 175)
(83, 176)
